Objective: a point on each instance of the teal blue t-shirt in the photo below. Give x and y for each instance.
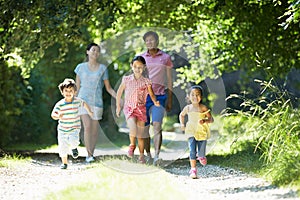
(91, 84)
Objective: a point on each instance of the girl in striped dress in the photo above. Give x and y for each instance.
(136, 86)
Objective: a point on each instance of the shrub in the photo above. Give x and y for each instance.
(274, 124)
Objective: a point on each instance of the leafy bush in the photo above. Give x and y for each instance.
(12, 98)
(272, 121)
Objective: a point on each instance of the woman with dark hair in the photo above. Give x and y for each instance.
(91, 77)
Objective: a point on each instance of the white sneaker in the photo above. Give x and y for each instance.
(89, 159)
(156, 161)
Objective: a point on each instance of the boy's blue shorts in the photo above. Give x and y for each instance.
(157, 113)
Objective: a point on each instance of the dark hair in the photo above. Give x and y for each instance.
(139, 58)
(68, 83)
(197, 87)
(89, 46)
(154, 34)
(142, 60)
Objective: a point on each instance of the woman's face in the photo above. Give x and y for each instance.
(94, 52)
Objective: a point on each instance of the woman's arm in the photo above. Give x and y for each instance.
(118, 99)
(77, 84)
(88, 108)
(109, 88)
(170, 87)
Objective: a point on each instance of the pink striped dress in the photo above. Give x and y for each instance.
(136, 91)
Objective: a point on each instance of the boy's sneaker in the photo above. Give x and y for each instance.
(202, 160)
(63, 166)
(89, 159)
(193, 173)
(131, 151)
(75, 153)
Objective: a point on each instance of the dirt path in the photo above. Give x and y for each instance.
(42, 175)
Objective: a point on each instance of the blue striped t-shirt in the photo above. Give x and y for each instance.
(70, 120)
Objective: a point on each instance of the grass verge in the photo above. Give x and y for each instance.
(14, 160)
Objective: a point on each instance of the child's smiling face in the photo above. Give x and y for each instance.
(137, 68)
(195, 96)
(68, 93)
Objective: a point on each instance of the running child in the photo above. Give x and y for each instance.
(69, 125)
(197, 128)
(136, 86)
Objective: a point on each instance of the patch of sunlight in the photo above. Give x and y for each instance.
(106, 183)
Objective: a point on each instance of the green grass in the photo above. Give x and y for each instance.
(26, 147)
(108, 183)
(245, 160)
(273, 132)
(12, 161)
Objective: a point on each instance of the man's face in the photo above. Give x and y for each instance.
(150, 42)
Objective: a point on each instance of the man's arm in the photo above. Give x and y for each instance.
(170, 89)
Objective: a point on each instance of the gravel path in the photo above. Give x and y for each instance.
(41, 175)
(216, 182)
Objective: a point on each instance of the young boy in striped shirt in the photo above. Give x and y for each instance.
(69, 125)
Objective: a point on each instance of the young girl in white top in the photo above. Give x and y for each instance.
(197, 128)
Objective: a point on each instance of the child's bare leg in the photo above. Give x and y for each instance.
(131, 122)
(132, 140)
(193, 163)
(141, 146)
(132, 136)
(64, 160)
(141, 139)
